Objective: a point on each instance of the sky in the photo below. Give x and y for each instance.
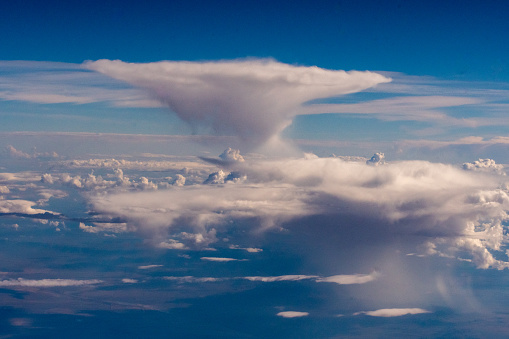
(253, 169)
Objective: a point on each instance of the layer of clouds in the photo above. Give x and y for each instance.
(254, 99)
(460, 213)
(393, 312)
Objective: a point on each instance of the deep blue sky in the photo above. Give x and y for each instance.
(458, 39)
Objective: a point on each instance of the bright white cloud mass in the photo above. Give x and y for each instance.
(254, 99)
(455, 212)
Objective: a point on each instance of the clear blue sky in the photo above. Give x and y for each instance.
(458, 39)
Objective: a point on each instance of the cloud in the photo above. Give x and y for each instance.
(189, 279)
(47, 282)
(281, 278)
(129, 281)
(485, 165)
(292, 314)
(217, 259)
(104, 227)
(393, 312)
(253, 99)
(21, 206)
(146, 267)
(350, 279)
(460, 212)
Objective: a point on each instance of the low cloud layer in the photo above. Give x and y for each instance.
(253, 99)
(454, 212)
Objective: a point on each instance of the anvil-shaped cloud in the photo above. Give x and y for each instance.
(253, 99)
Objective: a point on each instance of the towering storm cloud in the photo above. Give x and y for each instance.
(253, 99)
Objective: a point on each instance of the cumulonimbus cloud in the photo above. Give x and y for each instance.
(253, 99)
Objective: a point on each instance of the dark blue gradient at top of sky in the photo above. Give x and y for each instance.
(460, 39)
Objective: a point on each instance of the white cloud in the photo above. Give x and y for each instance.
(254, 99)
(21, 206)
(172, 244)
(189, 279)
(350, 279)
(129, 281)
(231, 155)
(292, 314)
(104, 227)
(47, 282)
(218, 259)
(281, 278)
(146, 267)
(393, 312)
(484, 165)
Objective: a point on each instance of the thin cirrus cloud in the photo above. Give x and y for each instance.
(254, 99)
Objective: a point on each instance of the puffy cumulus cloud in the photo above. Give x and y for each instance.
(292, 314)
(231, 155)
(12, 152)
(460, 213)
(376, 159)
(484, 165)
(254, 99)
(393, 312)
(21, 206)
(104, 227)
(20, 282)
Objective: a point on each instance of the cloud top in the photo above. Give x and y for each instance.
(253, 99)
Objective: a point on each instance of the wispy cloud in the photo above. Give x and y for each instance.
(393, 312)
(47, 282)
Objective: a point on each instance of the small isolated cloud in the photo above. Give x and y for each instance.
(21, 206)
(129, 281)
(350, 279)
(146, 267)
(282, 278)
(393, 312)
(47, 282)
(253, 99)
(484, 165)
(218, 259)
(247, 249)
(292, 314)
(190, 279)
(104, 227)
(172, 244)
(231, 155)
(376, 159)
